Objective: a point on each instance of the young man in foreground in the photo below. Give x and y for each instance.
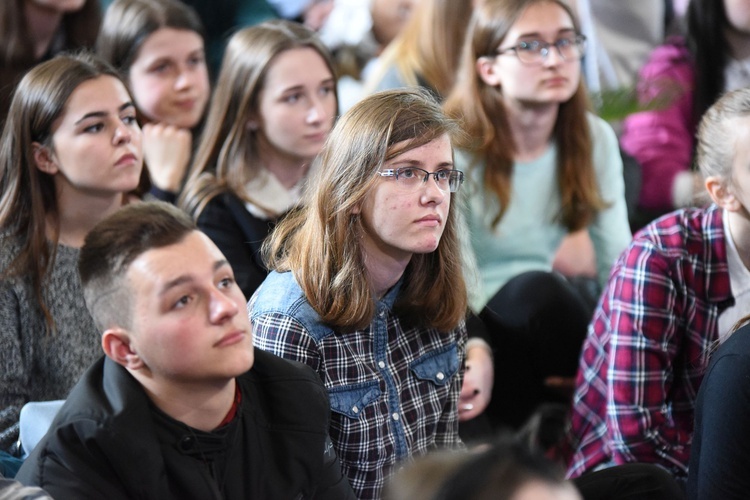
(182, 406)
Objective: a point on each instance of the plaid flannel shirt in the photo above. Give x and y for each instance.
(648, 345)
(393, 389)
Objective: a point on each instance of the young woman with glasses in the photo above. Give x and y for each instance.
(367, 285)
(539, 167)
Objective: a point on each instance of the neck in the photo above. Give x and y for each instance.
(531, 127)
(75, 220)
(42, 23)
(288, 170)
(739, 43)
(200, 406)
(384, 271)
(739, 227)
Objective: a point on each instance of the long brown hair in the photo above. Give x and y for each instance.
(227, 156)
(16, 46)
(482, 113)
(28, 200)
(321, 244)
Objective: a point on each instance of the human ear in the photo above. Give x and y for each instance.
(117, 345)
(721, 194)
(44, 158)
(487, 71)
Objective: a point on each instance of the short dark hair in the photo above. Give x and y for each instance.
(113, 244)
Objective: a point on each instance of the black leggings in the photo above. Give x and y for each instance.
(536, 325)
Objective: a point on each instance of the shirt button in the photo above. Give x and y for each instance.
(381, 364)
(395, 416)
(440, 375)
(381, 314)
(355, 409)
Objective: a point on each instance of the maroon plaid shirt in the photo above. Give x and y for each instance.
(648, 345)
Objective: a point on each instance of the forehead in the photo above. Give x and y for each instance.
(194, 254)
(169, 42)
(103, 93)
(541, 19)
(295, 67)
(438, 150)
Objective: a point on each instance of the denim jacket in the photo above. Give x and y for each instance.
(393, 388)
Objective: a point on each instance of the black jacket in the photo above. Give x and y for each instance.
(109, 442)
(239, 235)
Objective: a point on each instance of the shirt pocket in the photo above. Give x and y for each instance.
(438, 366)
(351, 400)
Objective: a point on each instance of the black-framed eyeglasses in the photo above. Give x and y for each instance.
(570, 48)
(413, 177)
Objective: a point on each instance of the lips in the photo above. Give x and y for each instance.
(430, 220)
(126, 159)
(231, 338)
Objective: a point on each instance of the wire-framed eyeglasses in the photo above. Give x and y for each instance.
(412, 177)
(570, 48)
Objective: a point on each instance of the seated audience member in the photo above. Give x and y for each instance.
(158, 46)
(367, 285)
(690, 74)
(720, 450)
(679, 287)
(70, 154)
(181, 406)
(32, 32)
(504, 470)
(274, 105)
(539, 167)
(427, 51)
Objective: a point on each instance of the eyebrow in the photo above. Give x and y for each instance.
(536, 34)
(100, 114)
(417, 163)
(187, 278)
(295, 88)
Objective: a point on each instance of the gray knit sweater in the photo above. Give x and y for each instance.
(34, 365)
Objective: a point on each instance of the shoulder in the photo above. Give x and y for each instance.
(684, 231)
(287, 389)
(280, 293)
(10, 246)
(281, 296)
(603, 135)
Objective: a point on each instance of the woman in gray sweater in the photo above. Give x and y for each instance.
(70, 154)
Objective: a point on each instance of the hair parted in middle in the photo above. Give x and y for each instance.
(480, 109)
(227, 156)
(321, 241)
(128, 23)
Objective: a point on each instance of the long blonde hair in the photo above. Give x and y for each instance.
(321, 242)
(480, 109)
(227, 155)
(429, 46)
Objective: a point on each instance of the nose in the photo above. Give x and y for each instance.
(222, 307)
(317, 112)
(431, 192)
(553, 56)
(123, 134)
(185, 78)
